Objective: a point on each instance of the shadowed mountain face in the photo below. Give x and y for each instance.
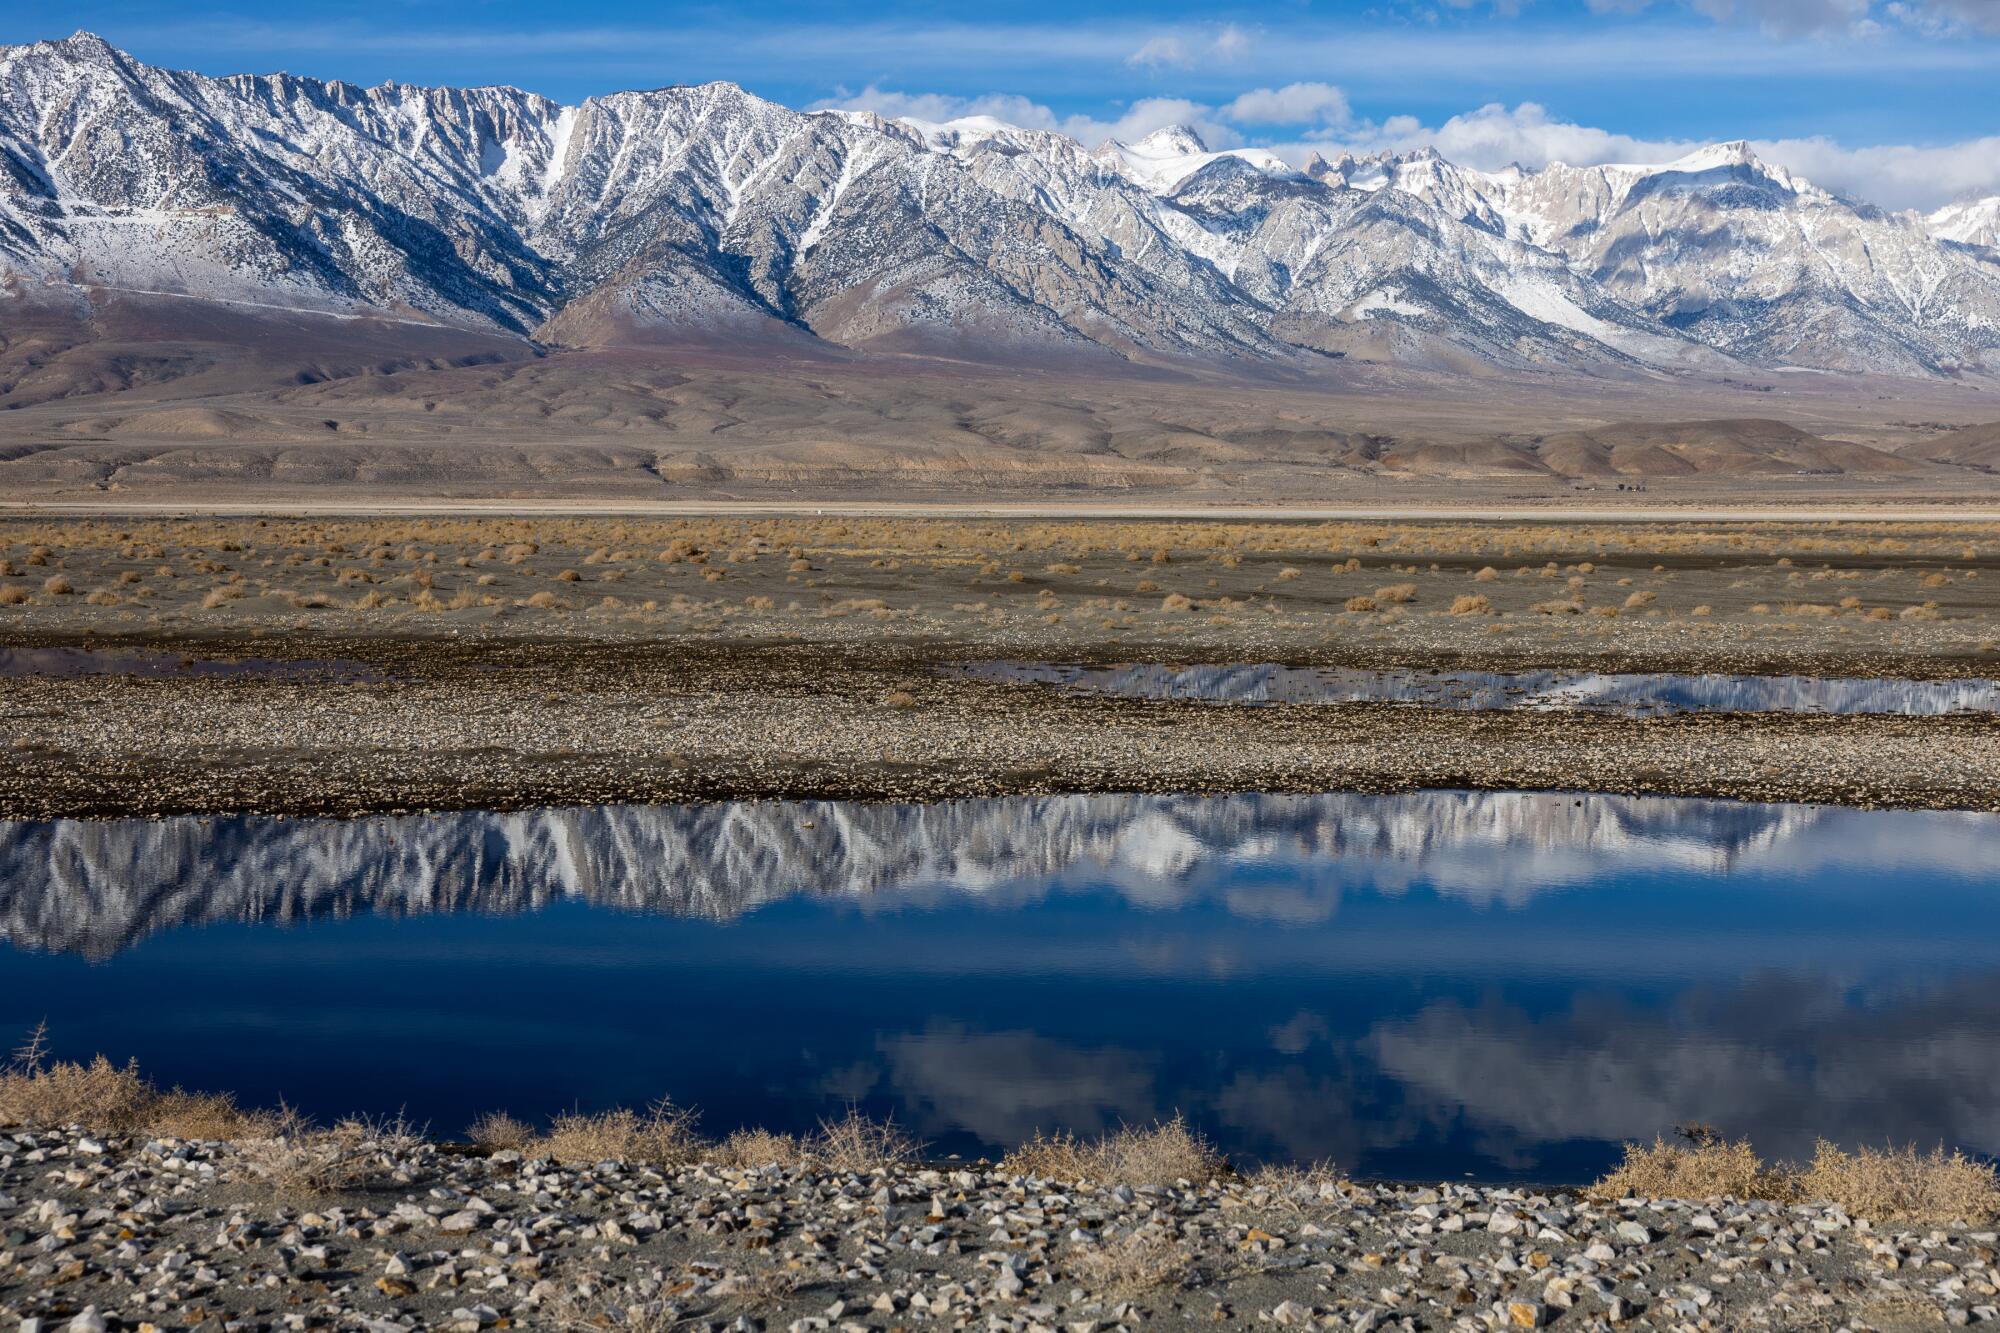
(692, 213)
(97, 888)
(1431, 985)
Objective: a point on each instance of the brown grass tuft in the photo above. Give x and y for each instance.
(1704, 1169)
(759, 1147)
(664, 1136)
(111, 1099)
(1161, 1154)
(1471, 604)
(497, 1129)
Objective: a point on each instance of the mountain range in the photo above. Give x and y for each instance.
(97, 887)
(704, 214)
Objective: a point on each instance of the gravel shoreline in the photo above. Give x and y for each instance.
(506, 725)
(103, 1233)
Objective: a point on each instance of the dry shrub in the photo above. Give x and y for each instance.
(1558, 607)
(1639, 599)
(297, 1160)
(1291, 1180)
(899, 699)
(1471, 604)
(1606, 612)
(1174, 601)
(546, 601)
(1486, 575)
(856, 1144)
(569, 576)
(1128, 1266)
(498, 1130)
(711, 576)
(759, 1147)
(13, 595)
(1062, 567)
(664, 1136)
(1396, 593)
(57, 586)
(1703, 610)
(111, 1099)
(1903, 1185)
(1935, 581)
(1288, 572)
(1706, 1168)
(1920, 613)
(1881, 613)
(102, 597)
(1359, 603)
(1164, 1153)
(221, 596)
(369, 601)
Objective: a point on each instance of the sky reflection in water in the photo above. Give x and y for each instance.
(1433, 984)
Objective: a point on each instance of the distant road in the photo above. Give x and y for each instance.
(1554, 512)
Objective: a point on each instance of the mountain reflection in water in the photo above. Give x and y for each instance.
(1636, 694)
(1427, 984)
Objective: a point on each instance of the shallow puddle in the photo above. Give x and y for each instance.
(1502, 985)
(162, 665)
(1639, 694)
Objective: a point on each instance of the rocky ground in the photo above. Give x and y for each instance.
(346, 666)
(106, 1233)
(497, 726)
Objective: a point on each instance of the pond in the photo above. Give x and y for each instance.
(1434, 985)
(1634, 694)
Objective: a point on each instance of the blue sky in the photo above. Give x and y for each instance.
(1891, 99)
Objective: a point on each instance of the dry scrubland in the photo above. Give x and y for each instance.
(502, 663)
(1923, 589)
(130, 1208)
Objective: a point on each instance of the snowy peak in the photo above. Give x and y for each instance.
(1170, 141)
(1973, 223)
(675, 212)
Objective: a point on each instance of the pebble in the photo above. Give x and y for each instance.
(177, 1235)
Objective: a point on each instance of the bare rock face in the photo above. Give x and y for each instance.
(689, 212)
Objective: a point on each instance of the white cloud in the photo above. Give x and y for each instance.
(1232, 43)
(1495, 135)
(1942, 18)
(1228, 44)
(1162, 50)
(1293, 104)
(1779, 18)
(1136, 122)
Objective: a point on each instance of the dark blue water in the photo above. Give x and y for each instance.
(1433, 985)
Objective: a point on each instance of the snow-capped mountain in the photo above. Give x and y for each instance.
(686, 211)
(97, 887)
(1738, 253)
(1976, 222)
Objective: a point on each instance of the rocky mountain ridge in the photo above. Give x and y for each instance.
(693, 212)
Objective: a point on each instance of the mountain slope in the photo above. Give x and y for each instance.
(1737, 253)
(688, 214)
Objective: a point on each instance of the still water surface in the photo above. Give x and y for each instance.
(1429, 985)
(1633, 694)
